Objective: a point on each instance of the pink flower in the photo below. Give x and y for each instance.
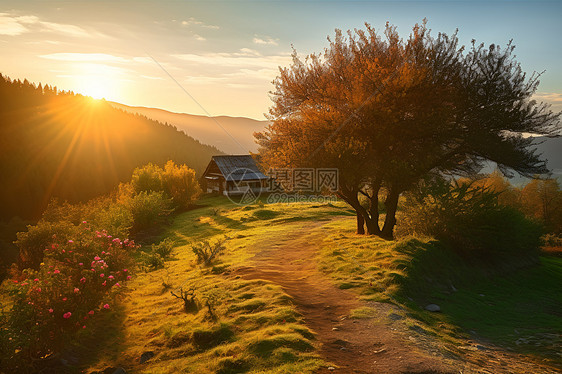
(93, 269)
(81, 263)
(102, 252)
(102, 275)
(71, 241)
(117, 284)
(125, 270)
(82, 280)
(64, 299)
(50, 310)
(84, 326)
(110, 277)
(91, 312)
(97, 258)
(128, 277)
(38, 289)
(67, 315)
(84, 222)
(57, 271)
(104, 283)
(106, 306)
(36, 280)
(76, 290)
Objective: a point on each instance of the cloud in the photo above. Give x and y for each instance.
(96, 58)
(11, 26)
(552, 98)
(14, 25)
(65, 29)
(84, 57)
(199, 37)
(245, 58)
(241, 69)
(267, 40)
(151, 77)
(194, 22)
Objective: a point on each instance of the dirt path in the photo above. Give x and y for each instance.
(372, 345)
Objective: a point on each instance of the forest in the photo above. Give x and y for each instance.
(58, 144)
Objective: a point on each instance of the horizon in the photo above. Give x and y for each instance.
(224, 55)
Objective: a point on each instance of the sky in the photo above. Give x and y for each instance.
(220, 57)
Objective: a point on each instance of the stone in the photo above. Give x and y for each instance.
(433, 308)
(395, 317)
(331, 368)
(146, 356)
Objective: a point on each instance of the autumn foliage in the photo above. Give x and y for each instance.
(388, 112)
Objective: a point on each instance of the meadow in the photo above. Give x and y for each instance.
(487, 315)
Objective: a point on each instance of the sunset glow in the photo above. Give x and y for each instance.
(225, 55)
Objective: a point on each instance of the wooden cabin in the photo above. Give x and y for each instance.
(233, 175)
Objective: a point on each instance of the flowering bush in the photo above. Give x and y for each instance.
(77, 279)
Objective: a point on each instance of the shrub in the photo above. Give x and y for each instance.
(180, 184)
(164, 248)
(152, 261)
(75, 282)
(115, 217)
(32, 243)
(206, 251)
(147, 178)
(148, 209)
(551, 240)
(177, 181)
(469, 220)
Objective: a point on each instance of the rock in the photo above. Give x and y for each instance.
(119, 371)
(341, 343)
(335, 329)
(395, 317)
(331, 368)
(433, 308)
(146, 356)
(481, 295)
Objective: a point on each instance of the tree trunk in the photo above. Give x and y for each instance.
(373, 221)
(360, 224)
(390, 204)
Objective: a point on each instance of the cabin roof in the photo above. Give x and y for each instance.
(238, 167)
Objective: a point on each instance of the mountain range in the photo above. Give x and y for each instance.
(232, 135)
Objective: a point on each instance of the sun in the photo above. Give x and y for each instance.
(97, 80)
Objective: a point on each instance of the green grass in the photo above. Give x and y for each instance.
(259, 329)
(520, 310)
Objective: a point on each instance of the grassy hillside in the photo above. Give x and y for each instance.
(486, 314)
(58, 144)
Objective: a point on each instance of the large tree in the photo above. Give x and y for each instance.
(387, 112)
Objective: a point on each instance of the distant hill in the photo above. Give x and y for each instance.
(208, 129)
(551, 150)
(59, 144)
